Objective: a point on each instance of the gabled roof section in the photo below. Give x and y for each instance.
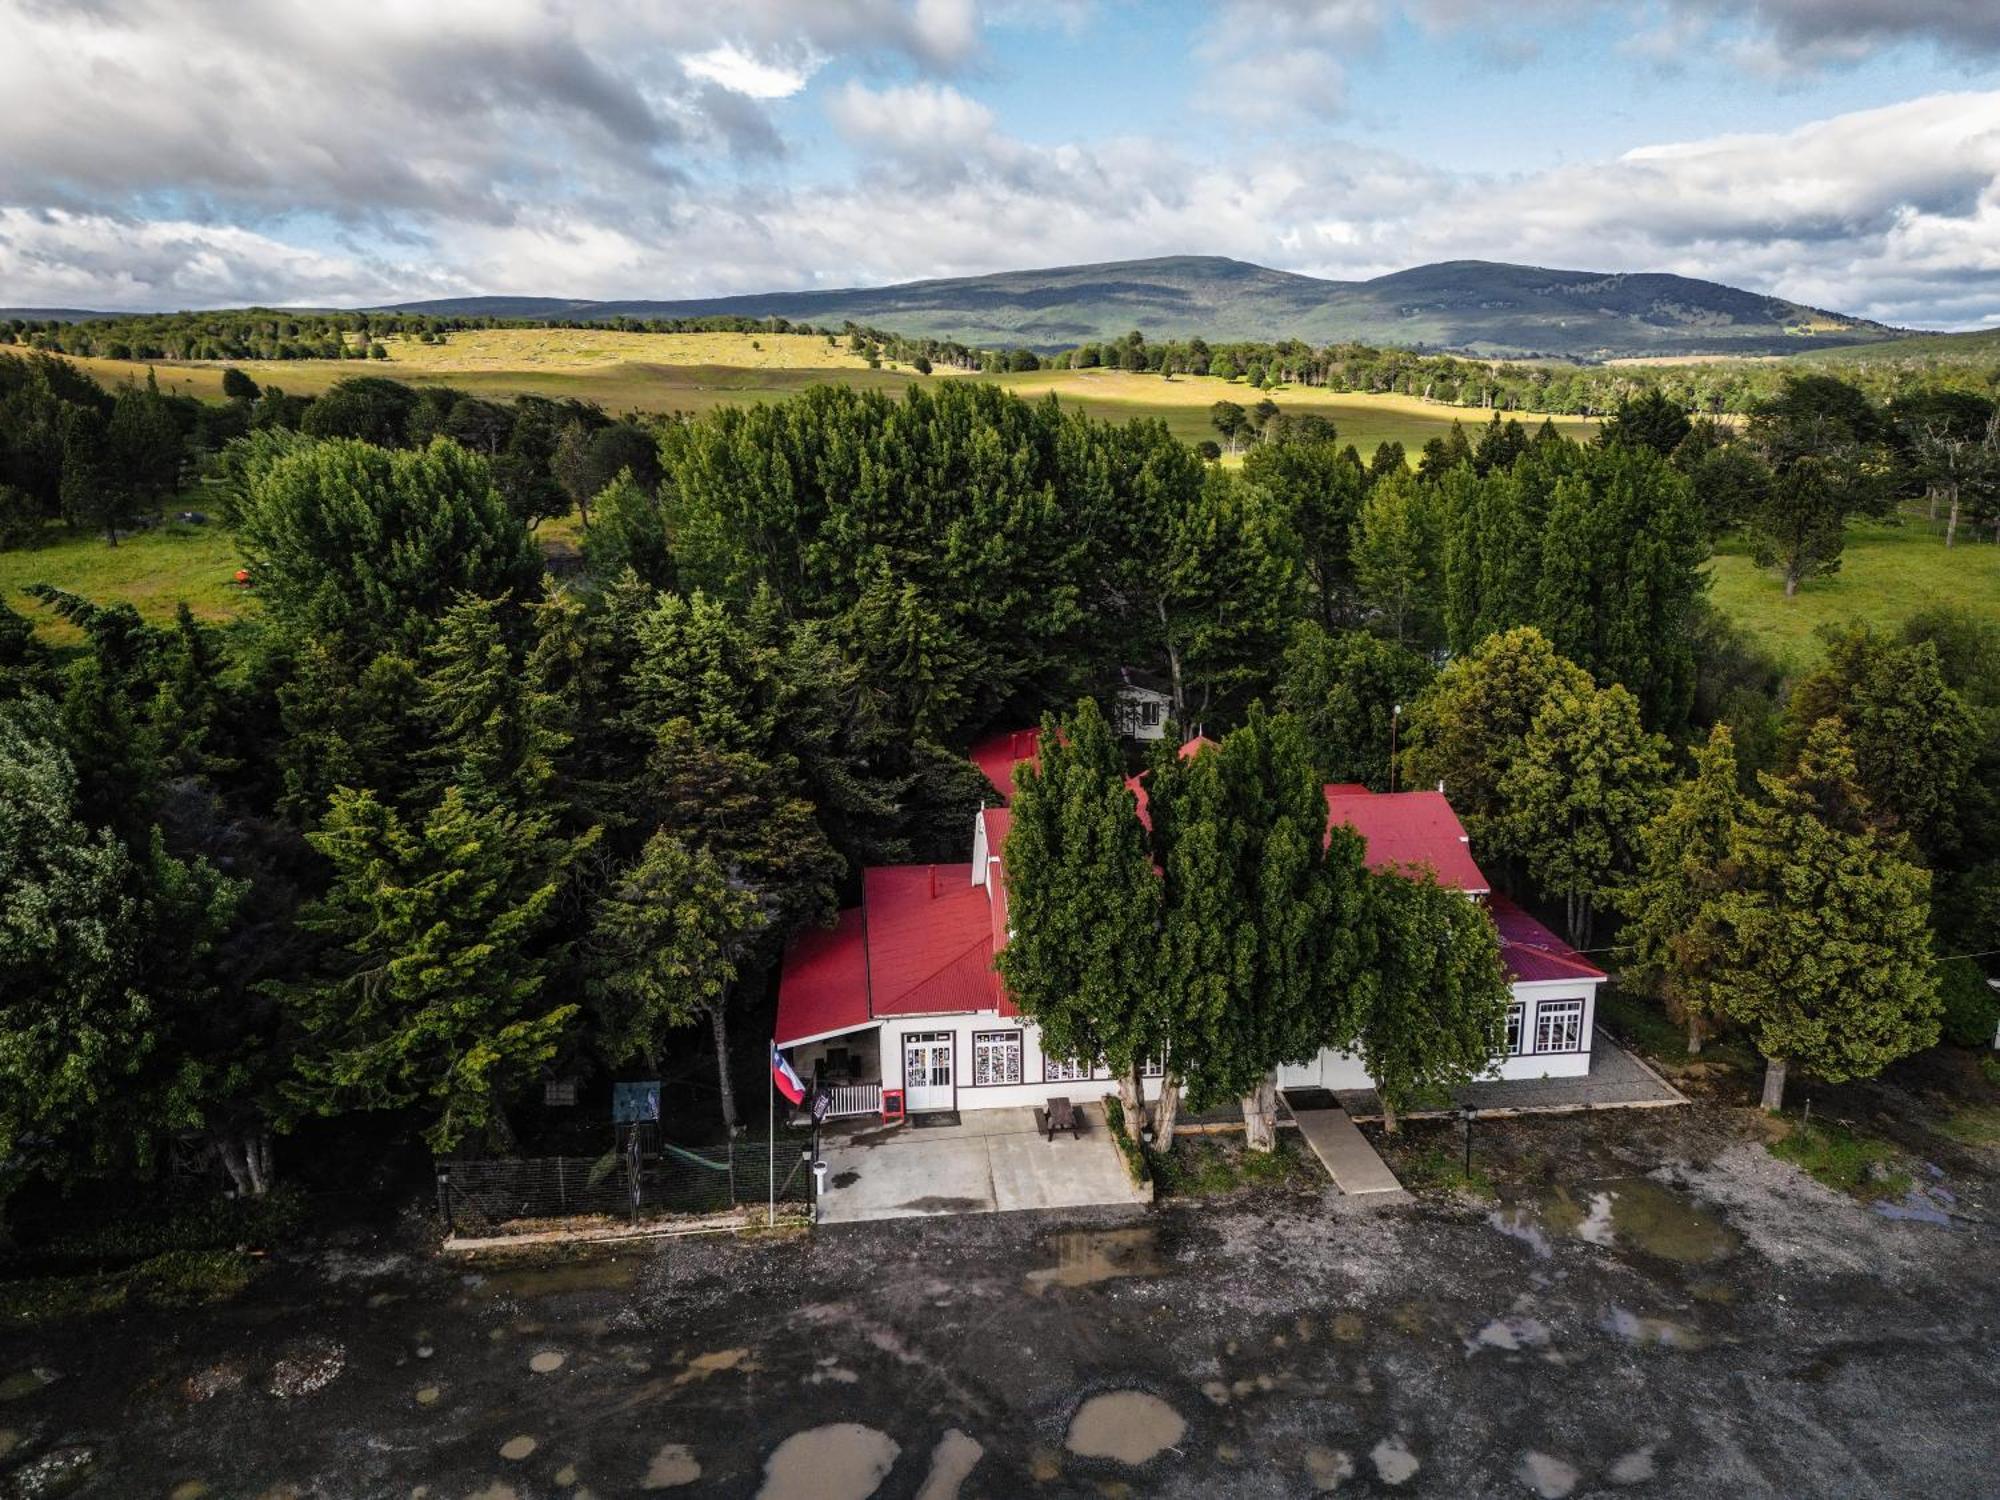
(823, 989)
(930, 941)
(1531, 952)
(998, 754)
(1409, 830)
(1195, 746)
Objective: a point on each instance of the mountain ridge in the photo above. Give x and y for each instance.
(1493, 309)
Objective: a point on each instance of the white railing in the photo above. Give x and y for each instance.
(855, 1099)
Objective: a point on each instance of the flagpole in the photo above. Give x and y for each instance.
(771, 1146)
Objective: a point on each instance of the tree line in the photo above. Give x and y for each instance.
(432, 824)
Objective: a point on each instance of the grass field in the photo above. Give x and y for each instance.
(1887, 574)
(1183, 403)
(696, 372)
(153, 571)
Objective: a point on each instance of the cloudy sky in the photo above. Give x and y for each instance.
(190, 153)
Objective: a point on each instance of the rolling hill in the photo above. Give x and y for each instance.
(1479, 307)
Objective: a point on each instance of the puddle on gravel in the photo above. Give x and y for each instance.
(1636, 1467)
(843, 1461)
(673, 1466)
(1393, 1460)
(1128, 1427)
(606, 1275)
(701, 1366)
(1664, 1332)
(954, 1458)
(1510, 1334)
(1084, 1257)
(1547, 1476)
(1633, 1213)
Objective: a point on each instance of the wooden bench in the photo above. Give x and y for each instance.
(1060, 1115)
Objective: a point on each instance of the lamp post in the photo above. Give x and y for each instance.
(1395, 716)
(1465, 1114)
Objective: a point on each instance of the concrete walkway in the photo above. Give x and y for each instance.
(1618, 1079)
(1345, 1153)
(994, 1161)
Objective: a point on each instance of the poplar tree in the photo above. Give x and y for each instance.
(1823, 928)
(1586, 783)
(1685, 863)
(1430, 1010)
(1083, 912)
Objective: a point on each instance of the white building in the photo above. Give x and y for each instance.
(902, 992)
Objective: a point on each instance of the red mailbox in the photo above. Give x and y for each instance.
(892, 1105)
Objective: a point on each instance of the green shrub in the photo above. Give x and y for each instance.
(1971, 1005)
(213, 1224)
(1203, 1165)
(189, 1278)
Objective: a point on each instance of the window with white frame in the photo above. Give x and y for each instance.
(996, 1058)
(1055, 1070)
(1149, 714)
(1517, 1017)
(1153, 1067)
(1559, 1026)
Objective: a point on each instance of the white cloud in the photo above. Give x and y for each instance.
(923, 120)
(739, 71)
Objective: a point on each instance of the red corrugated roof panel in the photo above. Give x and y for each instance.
(1532, 952)
(930, 940)
(1409, 830)
(998, 754)
(824, 987)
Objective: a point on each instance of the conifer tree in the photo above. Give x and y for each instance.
(669, 941)
(1685, 862)
(431, 995)
(1823, 928)
(1083, 912)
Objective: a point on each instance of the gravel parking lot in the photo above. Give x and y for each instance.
(1666, 1310)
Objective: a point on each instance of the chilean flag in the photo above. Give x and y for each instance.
(787, 1081)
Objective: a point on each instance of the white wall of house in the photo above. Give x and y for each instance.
(1143, 713)
(984, 1044)
(1550, 1033)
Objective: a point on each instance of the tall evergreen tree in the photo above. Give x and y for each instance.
(1686, 851)
(1823, 928)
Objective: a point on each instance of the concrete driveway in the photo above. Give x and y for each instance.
(992, 1162)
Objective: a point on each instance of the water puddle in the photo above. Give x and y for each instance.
(714, 1362)
(1633, 1213)
(517, 1448)
(611, 1274)
(1085, 1257)
(952, 1461)
(673, 1466)
(843, 1461)
(1547, 1476)
(1510, 1334)
(1663, 1333)
(1636, 1467)
(547, 1362)
(25, 1383)
(1127, 1427)
(1393, 1460)
(1328, 1468)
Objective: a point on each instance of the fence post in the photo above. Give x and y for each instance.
(632, 1169)
(444, 1200)
(562, 1189)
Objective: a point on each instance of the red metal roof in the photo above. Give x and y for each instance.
(824, 987)
(930, 941)
(1195, 746)
(1347, 788)
(1532, 952)
(1409, 830)
(998, 754)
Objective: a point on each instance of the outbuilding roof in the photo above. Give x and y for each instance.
(1408, 830)
(1531, 952)
(998, 754)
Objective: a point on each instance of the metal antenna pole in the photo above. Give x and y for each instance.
(771, 1145)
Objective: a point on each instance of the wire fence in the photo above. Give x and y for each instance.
(642, 1178)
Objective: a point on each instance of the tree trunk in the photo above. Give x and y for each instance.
(1132, 1099)
(1791, 582)
(1951, 524)
(1388, 1114)
(1260, 1117)
(718, 1020)
(1166, 1112)
(1694, 1034)
(1173, 667)
(1774, 1084)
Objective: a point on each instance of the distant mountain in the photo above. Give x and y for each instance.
(1478, 307)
